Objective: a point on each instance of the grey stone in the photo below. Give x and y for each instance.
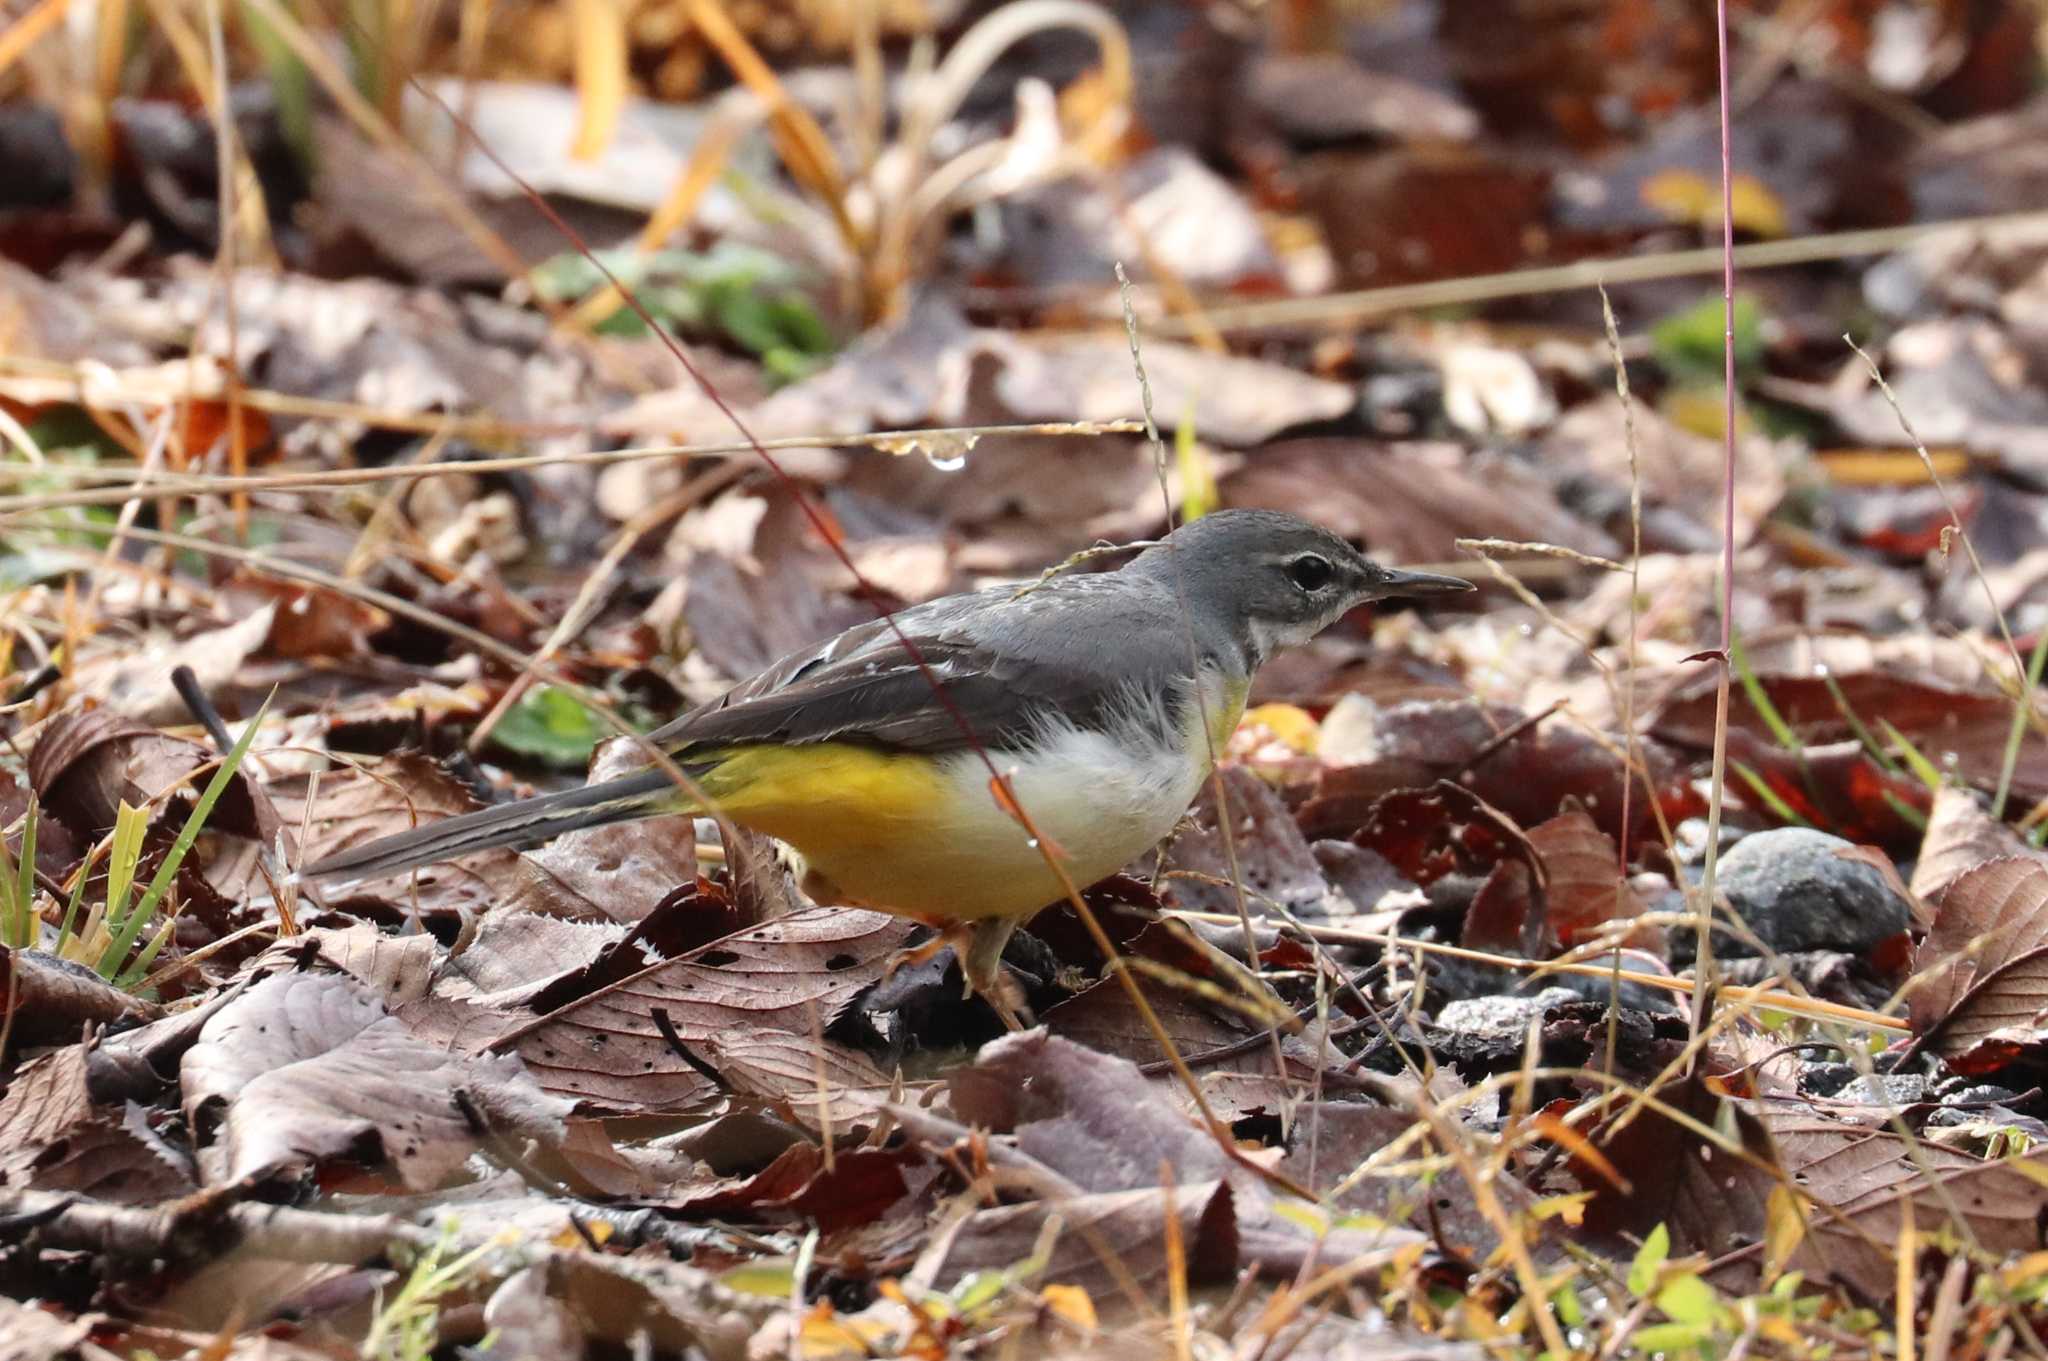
(1501, 1018)
(1799, 889)
(1893, 1090)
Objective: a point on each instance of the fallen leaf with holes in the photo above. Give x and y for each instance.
(309, 1068)
(748, 1007)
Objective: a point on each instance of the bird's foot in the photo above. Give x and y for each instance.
(979, 948)
(982, 963)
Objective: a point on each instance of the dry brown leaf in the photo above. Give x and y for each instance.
(1107, 1237)
(393, 969)
(1982, 971)
(1710, 1200)
(1082, 1122)
(1409, 502)
(1961, 835)
(136, 682)
(1265, 853)
(87, 763)
(53, 1137)
(1856, 1183)
(748, 1006)
(309, 1067)
(48, 1000)
(854, 1186)
(1932, 689)
(352, 807)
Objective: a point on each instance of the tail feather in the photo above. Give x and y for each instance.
(529, 822)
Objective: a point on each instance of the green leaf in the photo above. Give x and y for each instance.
(1303, 1215)
(1668, 1337)
(1688, 1299)
(1688, 343)
(1642, 1272)
(771, 1277)
(552, 726)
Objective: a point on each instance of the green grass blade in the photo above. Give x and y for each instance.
(139, 970)
(1767, 795)
(1760, 701)
(1908, 814)
(25, 879)
(1863, 734)
(1916, 761)
(124, 941)
(2021, 704)
(76, 901)
(15, 927)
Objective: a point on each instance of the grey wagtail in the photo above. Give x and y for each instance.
(1088, 693)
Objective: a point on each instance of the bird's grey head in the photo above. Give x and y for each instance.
(1271, 580)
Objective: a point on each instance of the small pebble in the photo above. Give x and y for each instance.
(1501, 1018)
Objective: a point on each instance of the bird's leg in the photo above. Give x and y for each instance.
(982, 963)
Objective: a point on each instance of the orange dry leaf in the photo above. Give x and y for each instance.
(1070, 1302)
(205, 425)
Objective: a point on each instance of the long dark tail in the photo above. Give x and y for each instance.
(528, 822)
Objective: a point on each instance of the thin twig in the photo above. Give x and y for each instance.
(335, 478)
(1703, 917)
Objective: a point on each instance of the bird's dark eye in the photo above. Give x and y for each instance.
(1310, 572)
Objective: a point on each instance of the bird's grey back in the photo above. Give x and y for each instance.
(1006, 657)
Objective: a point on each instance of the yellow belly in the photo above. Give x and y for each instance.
(927, 837)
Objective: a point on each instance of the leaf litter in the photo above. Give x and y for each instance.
(1433, 1092)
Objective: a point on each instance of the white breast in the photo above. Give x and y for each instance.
(1101, 799)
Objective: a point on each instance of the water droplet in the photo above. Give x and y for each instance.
(947, 460)
(1032, 842)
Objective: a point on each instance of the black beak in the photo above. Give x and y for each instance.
(1393, 581)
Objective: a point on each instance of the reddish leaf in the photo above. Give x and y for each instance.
(1583, 889)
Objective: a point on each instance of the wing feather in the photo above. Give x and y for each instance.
(1005, 663)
